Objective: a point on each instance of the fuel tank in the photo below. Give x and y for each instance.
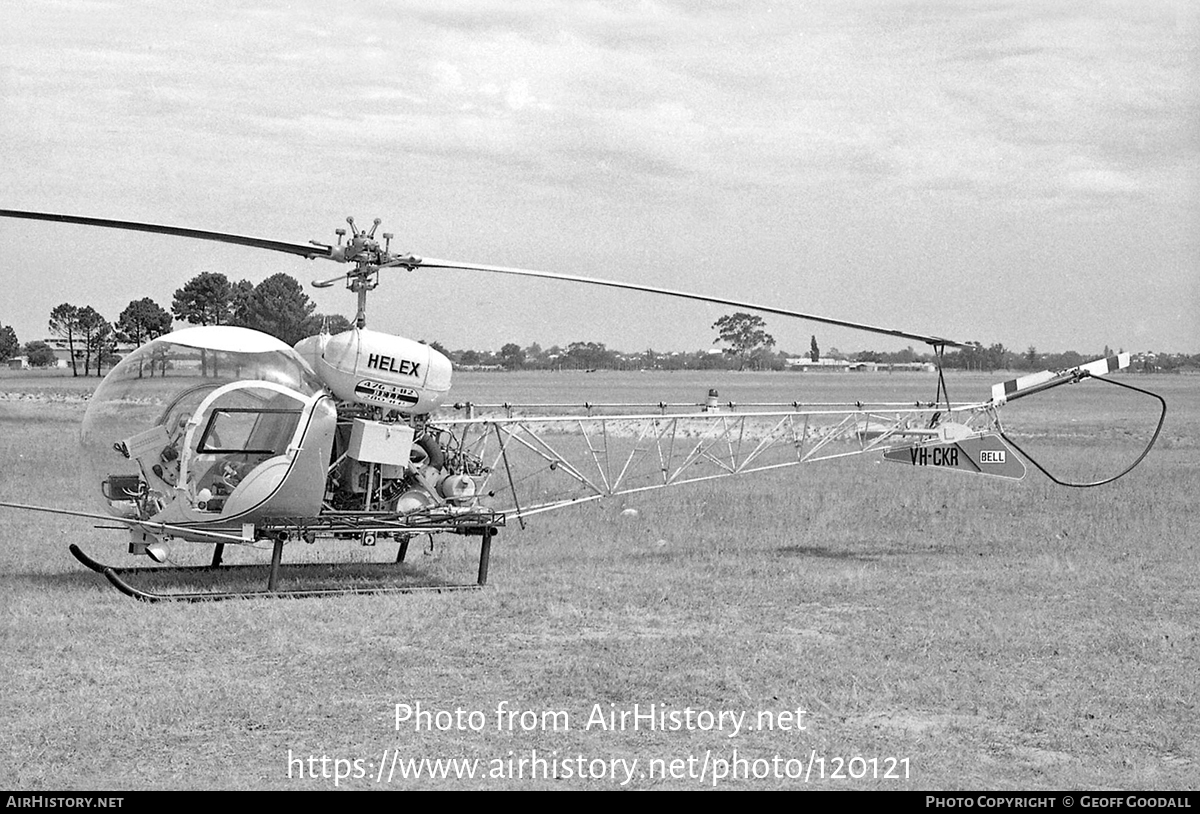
(378, 369)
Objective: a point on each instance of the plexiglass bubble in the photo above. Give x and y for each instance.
(181, 422)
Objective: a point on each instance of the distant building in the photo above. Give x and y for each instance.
(919, 367)
(843, 365)
(62, 351)
(806, 363)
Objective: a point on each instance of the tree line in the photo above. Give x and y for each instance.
(278, 306)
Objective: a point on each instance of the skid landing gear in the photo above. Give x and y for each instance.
(117, 576)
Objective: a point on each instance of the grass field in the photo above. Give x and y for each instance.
(949, 631)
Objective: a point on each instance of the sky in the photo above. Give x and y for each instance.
(1024, 172)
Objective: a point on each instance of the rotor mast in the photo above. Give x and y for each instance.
(366, 274)
(364, 251)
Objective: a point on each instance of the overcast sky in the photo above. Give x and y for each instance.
(1016, 172)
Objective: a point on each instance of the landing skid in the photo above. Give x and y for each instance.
(116, 576)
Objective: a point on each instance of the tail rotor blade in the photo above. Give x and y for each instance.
(1038, 382)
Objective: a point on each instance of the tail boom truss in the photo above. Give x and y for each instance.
(539, 463)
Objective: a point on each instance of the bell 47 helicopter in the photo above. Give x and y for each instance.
(227, 436)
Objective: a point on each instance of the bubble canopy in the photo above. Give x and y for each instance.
(179, 422)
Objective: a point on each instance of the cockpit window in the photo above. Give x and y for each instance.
(252, 431)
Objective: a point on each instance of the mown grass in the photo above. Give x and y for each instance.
(998, 635)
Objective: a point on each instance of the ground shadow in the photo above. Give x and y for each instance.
(869, 553)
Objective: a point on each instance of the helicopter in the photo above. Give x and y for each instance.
(223, 435)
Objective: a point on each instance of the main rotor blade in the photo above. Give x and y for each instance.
(429, 262)
(304, 250)
(320, 250)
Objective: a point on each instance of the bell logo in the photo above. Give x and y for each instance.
(991, 456)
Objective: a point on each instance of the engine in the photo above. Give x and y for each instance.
(396, 466)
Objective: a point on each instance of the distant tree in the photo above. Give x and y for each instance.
(64, 322)
(589, 355)
(868, 356)
(1031, 357)
(339, 323)
(512, 356)
(96, 334)
(745, 335)
(332, 323)
(39, 354)
(239, 296)
(703, 360)
(967, 358)
(106, 348)
(141, 321)
(161, 359)
(997, 357)
(814, 352)
(1065, 360)
(277, 306)
(206, 299)
(1170, 362)
(439, 347)
(8, 343)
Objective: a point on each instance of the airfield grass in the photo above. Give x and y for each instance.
(983, 633)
